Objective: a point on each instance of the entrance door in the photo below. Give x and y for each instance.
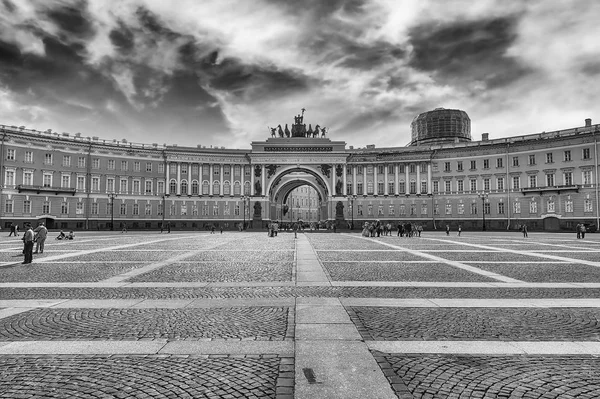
(551, 224)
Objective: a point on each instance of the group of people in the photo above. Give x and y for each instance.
(31, 236)
(581, 230)
(377, 229)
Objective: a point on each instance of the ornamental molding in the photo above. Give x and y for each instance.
(297, 160)
(208, 159)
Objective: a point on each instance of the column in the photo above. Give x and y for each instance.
(375, 181)
(364, 180)
(251, 180)
(429, 180)
(210, 179)
(396, 168)
(345, 171)
(178, 178)
(189, 179)
(263, 175)
(222, 176)
(167, 182)
(407, 179)
(231, 179)
(333, 179)
(418, 178)
(385, 180)
(353, 179)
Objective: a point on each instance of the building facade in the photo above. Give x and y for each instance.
(547, 180)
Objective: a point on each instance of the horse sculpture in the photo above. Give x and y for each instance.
(316, 132)
(280, 131)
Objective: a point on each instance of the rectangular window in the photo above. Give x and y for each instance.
(501, 208)
(532, 181)
(28, 178)
(136, 209)
(359, 188)
(66, 160)
(391, 188)
(500, 183)
(473, 208)
(446, 166)
(587, 205)
(124, 165)
(28, 156)
(402, 187)
(447, 186)
(380, 188)
(66, 181)
(460, 186)
(136, 186)
(586, 153)
(47, 179)
(516, 207)
(160, 187)
(402, 210)
(369, 187)
(148, 186)
(550, 179)
(413, 187)
(79, 208)
(9, 178)
(567, 155)
(46, 208)
(95, 184)
(459, 166)
(110, 164)
(549, 158)
(423, 209)
(123, 186)
(486, 208)
(48, 159)
(123, 210)
(369, 210)
(516, 183)
(161, 168)
(423, 187)
(436, 186)
(401, 168)
(380, 210)
(515, 161)
(568, 178)
(64, 208)
(587, 177)
(8, 207)
(448, 209)
(499, 163)
(10, 154)
(96, 163)
(390, 169)
(486, 184)
(148, 209)
(148, 167)
(391, 210)
(215, 210)
(80, 183)
(380, 169)
(159, 210)
(136, 166)
(461, 209)
(532, 159)
(27, 206)
(110, 185)
(81, 162)
(94, 208)
(473, 165)
(486, 164)
(359, 210)
(473, 184)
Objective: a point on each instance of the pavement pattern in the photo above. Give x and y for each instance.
(241, 315)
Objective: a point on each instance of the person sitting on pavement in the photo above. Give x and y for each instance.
(71, 235)
(61, 236)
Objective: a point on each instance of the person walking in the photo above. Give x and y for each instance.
(12, 230)
(524, 228)
(459, 229)
(578, 230)
(41, 232)
(168, 227)
(28, 245)
(447, 230)
(582, 230)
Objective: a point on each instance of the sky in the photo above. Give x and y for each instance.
(221, 72)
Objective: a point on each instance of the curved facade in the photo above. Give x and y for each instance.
(547, 180)
(440, 126)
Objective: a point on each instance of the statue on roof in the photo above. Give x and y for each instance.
(287, 131)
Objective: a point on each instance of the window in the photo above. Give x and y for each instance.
(423, 187)
(161, 168)
(359, 210)
(550, 206)
(9, 178)
(499, 163)
(148, 186)
(136, 166)
(95, 184)
(401, 187)
(184, 187)
(473, 208)
(402, 210)
(136, 209)
(47, 179)
(531, 159)
(359, 169)
(359, 188)
(486, 164)
(532, 181)
(124, 165)
(123, 210)
(148, 167)
(10, 154)
(160, 187)
(549, 157)
(110, 164)
(136, 186)
(173, 186)
(27, 206)
(550, 179)
(94, 208)
(569, 206)
(96, 163)
(459, 166)
(8, 207)
(390, 169)
(390, 188)
(81, 162)
(568, 178)
(436, 186)
(567, 155)
(587, 177)
(401, 168)
(587, 206)
(413, 169)
(516, 207)
(184, 169)
(28, 156)
(486, 208)
(391, 210)
(380, 210)
(448, 209)
(586, 153)
(215, 210)
(473, 184)
(446, 166)
(423, 209)
(500, 183)
(148, 209)
(486, 184)
(28, 178)
(123, 186)
(236, 210)
(380, 169)
(413, 187)
(159, 210)
(380, 188)
(79, 208)
(436, 209)
(80, 183)
(46, 208)
(64, 208)
(515, 161)
(216, 188)
(196, 188)
(461, 208)
(501, 208)
(473, 165)
(66, 181)
(369, 210)
(110, 184)
(516, 183)
(48, 159)
(533, 207)
(66, 160)
(226, 188)
(447, 186)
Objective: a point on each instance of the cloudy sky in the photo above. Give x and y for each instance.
(218, 72)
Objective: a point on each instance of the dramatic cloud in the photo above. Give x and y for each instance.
(220, 72)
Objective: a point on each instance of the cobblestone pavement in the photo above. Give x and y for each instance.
(398, 271)
(492, 377)
(219, 271)
(504, 324)
(543, 271)
(66, 271)
(141, 376)
(258, 323)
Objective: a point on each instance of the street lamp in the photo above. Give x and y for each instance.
(351, 198)
(483, 197)
(112, 197)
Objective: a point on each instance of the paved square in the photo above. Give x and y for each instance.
(242, 315)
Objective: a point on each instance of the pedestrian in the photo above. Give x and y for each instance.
(524, 227)
(459, 229)
(168, 227)
(583, 230)
(162, 227)
(12, 230)
(123, 228)
(212, 229)
(447, 230)
(41, 232)
(221, 228)
(295, 227)
(28, 245)
(578, 230)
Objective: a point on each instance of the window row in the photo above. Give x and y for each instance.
(185, 189)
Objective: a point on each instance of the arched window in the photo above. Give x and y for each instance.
(216, 187)
(195, 187)
(184, 187)
(226, 188)
(205, 189)
(247, 188)
(237, 188)
(173, 187)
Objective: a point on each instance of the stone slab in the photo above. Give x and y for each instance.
(314, 332)
(342, 369)
(249, 302)
(81, 347)
(310, 314)
(453, 347)
(229, 347)
(98, 303)
(30, 303)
